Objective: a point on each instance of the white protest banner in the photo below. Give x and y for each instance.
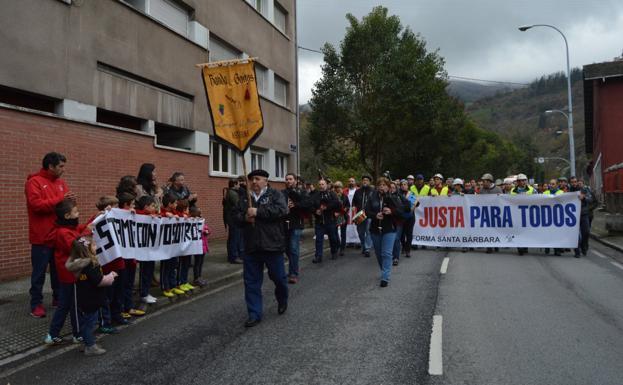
(120, 233)
(351, 229)
(498, 221)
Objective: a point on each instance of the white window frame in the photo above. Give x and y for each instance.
(230, 52)
(281, 165)
(261, 73)
(255, 156)
(180, 12)
(281, 82)
(232, 157)
(280, 14)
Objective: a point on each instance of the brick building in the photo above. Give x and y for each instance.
(603, 105)
(113, 84)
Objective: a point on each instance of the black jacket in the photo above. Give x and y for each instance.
(329, 200)
(376, 203)
(90, 296)
(345, 205)
(266, 234)
(296, 215)
(361, 196)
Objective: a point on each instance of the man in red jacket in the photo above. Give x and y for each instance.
(44, 190)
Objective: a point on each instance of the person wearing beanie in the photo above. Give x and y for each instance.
(261, 213)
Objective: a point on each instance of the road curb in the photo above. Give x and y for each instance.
(14, 364)
(607, 243)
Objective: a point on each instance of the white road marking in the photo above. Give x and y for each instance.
(435, 357)
(617, 264)
(599, 254)
(444, 265)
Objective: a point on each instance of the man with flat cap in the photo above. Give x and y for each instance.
(264, 239)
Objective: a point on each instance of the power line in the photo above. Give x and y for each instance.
(311, 50)
(450, 76)
(485, 80)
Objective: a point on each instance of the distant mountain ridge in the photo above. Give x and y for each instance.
(471, 91)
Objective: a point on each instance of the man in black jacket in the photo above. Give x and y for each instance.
(264, 244)
(359, 202)
(298, 204)
(324, 204)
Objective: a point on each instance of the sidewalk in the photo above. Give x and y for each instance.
(21, 332)
(599, 232)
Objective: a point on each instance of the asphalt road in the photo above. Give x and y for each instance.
(340, 328)
(506, 319)
(534, 319)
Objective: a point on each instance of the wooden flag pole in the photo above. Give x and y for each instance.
(244, 170)
(225, 62)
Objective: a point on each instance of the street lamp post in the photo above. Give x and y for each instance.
(549, 112)
(570, 106)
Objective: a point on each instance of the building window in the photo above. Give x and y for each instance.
(219, 50)
(281, 165)
(257, 161)
(259, 5)
(26, 99)
(281, 91)
(224, 159)
(119, 120)
(281, 17)
(175, 137)
(261, 74)
(168, 12)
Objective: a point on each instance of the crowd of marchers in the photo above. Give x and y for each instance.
(383, 213)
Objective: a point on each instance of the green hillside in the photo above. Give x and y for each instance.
(519, 116)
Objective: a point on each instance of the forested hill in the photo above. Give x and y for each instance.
(471, 91)
(519, 116)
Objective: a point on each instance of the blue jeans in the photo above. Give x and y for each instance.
(397, 243)
(66, 305)
(254, 277)
(331, 231)
(41, 256)
(383, 247)
(88, 321)
(293, 242)
(235, 248)
(146, 275)
(183, 267)
(363, 230)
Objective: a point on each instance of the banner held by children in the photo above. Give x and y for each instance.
(120, 233)
(233, 101)
(498, 221)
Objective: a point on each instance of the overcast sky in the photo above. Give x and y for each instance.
(477, 38)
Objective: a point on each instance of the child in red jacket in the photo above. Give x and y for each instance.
(168, 276)
(64, 232)
(127, 202)
(195, 212)
(182, 211)
(146, 205)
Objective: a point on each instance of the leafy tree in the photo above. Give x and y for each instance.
(382, 104)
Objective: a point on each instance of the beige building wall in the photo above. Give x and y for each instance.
(114, 55)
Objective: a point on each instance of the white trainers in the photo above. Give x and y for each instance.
(94, 350)
(149, 299)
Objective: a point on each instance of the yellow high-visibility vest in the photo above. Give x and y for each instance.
(424, 191)
(434, 192)
(547, 192)
(529, 192)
